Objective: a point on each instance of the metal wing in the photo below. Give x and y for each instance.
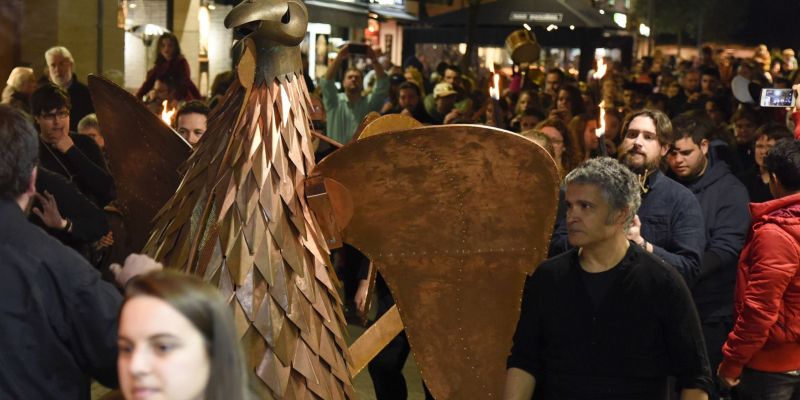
(144, 155)
(454, 217)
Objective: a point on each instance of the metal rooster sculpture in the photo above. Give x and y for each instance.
(239, 217)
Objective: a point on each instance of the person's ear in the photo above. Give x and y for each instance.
(31, 190)
(775, 186)
(621, 216)
(775, 180)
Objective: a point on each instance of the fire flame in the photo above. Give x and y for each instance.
(494, 89)
(602, 129)
(601, 69)
(167, 113)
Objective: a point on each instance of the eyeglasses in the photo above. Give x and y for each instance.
(634, 133)
(51, 117)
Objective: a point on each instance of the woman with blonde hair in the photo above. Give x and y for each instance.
(541, 139)
(19, 86)
(412, 74)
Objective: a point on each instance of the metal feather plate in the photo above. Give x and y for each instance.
(144, 156)
(455, 217)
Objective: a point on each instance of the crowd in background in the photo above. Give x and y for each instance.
(692, 131)
(710, 138)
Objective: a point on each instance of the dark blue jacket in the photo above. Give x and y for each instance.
(724, 202)
(671, 221)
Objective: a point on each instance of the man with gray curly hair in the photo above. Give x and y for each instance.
(607, 319)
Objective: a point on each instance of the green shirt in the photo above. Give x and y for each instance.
(344, 116)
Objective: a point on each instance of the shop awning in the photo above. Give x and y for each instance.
(532, 12)
(395, 13)
(337, 13)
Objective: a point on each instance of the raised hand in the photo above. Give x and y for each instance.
(48, 212)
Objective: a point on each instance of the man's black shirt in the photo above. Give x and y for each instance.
(645, 330)
(598, 283)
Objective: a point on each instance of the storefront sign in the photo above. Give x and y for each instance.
(521, 16)
(397, 3)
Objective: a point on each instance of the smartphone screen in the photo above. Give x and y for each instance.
(777, 98)
(357, 48)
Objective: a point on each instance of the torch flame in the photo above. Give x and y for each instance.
(602, 129)
(494, 89)
(601, 69)
(167, 113)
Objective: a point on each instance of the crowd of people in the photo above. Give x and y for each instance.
(675, 254)
(698, 154)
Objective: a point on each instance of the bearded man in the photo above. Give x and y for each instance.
(669, 223)
(344, 111)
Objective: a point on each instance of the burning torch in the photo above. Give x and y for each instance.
(601, 131)
(494, 93)
(167, 114)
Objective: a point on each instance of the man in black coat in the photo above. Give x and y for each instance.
(607, 319)
(724, 202)
(58, 319)
(75, 157)
(61, 66)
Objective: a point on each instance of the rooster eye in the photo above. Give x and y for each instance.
(286, 17)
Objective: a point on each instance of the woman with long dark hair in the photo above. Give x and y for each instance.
(566, 152)
(177, 340)
(582, 131)
(171, 65)
(569, 104)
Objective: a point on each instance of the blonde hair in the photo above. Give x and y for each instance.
(541, 139)
(416, 78)
(89, 121)
(18, 77)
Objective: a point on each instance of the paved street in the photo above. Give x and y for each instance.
(363, 383)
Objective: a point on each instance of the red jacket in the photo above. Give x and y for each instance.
(796, 119)
(766, 335)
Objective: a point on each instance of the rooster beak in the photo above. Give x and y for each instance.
(282, 21)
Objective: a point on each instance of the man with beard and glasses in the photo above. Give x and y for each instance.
(723, 200)
(669, 223)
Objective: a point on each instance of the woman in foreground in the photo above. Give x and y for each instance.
(177, 341)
